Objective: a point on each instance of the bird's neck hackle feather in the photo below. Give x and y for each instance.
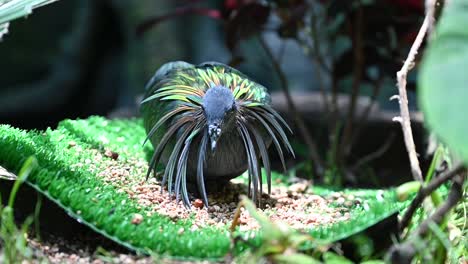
(188, 87)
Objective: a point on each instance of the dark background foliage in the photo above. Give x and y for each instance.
(94, 57)
(330, 66)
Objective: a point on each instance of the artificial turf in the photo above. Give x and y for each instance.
(109, 211)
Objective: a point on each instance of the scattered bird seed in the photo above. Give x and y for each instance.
(198, 203)
(295, 205)
(137, 219)
(180, 231)
(111, 154)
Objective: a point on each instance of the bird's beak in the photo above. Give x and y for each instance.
(213, 144)
(214, 131)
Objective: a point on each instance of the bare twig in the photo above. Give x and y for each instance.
(304, 131)
(405, 252)
(430, 13)
(330, 104)
(315, 52)
(425, 191)
(334, 123)
(316, 45)
(404, 119)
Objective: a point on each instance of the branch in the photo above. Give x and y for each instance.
(425, 191)
(304, 131)
(313, 50)
(430, 13)
(316, 44)
(404, 119)
(405, 252)
(357, 76)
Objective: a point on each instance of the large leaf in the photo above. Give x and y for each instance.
(443, 80)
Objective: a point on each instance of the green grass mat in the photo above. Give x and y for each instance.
(68, 175)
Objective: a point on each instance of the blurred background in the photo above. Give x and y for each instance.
(336, 61)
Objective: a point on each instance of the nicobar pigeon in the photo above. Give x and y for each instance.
(210, 123)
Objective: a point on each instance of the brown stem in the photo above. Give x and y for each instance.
(316, 45)
(330, 104)
(304, 131)
(335, 112)
(236, 218)
(314, 51)
(358, 67)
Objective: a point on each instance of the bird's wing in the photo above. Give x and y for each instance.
(228, 69)
(165, 69)
(260, 93)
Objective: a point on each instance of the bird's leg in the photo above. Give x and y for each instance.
(259, 200)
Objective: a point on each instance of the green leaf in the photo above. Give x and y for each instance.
(296, 258)
(407, 189)
(29, 165)
(333, 26)
(443, 79)
(332, 258)
(340, 46)
(373, 262)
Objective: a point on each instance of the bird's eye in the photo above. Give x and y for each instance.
(231, 109)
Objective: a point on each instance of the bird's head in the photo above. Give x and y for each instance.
(219, 107)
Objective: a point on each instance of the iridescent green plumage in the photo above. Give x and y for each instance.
(188, 83)
(178, 115)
